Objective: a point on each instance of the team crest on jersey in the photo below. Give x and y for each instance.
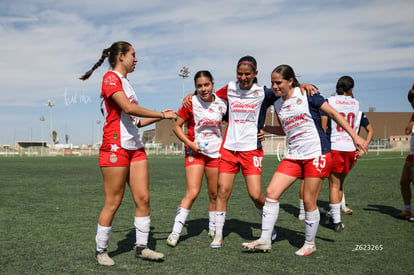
(113, 158)
(256, 93)
(190, 159)
(115, 136)
(298, 101)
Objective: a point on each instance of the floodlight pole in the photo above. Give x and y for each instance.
(51, 104)
(184, 73)
(42, 119)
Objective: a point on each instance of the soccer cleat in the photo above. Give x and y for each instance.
(405, 215)
(306, 250)
(411, 219)
(217, 242)
(210, 234)
(172, 239)
(301, 217)
(103, 258)
(347, 210)
(148, 254)
(274, 234)
(258, 245)
(338, 227)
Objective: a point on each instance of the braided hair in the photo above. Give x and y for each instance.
(111, 53)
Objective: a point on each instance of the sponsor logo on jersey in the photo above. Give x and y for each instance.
(345, 102)
(241, 107)
(208, 122)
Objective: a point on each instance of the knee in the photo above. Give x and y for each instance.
(112, 204)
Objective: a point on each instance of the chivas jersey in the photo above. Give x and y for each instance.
(300, 119)
(247, 111)
(204, 123)
(120, 129)
(348, 107)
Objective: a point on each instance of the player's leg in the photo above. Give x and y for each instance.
(114, 187)
(312, 187)
(279, 183)
(212, 186)
(194, 176)
(301, 215)
(139, 185)
(335, 200)
(405, 189)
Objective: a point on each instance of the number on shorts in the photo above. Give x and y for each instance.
(257, 162)
(320, 162)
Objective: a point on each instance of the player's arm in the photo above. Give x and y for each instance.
(370, 133)
(410, 125)
(324, 121)
(132, 109)
(359, 142)
(308, 88)
(147, 121)
(178, 131)
(276, 130)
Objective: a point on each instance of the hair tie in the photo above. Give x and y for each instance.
(246, 62)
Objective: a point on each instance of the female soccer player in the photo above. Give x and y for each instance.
(308, 155)
(203, 117)
(407, 174)
(122, 156)
(344, 153)
(242, 148)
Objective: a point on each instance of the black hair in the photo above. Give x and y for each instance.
(204, 73)
(287, 73)
(344, 84)
(112, 53)
(250, 61)
(411, 94)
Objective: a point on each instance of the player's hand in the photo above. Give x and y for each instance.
(169, 114)
(309, 89)
(194, 147)
(361, 145)
(187, 100)
(261, 135)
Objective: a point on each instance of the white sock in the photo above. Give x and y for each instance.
(311, 226)
(301, 207)
(343, 203)
(212, 221)
(180, 218)
(269, 218)
(142, 229)
(220, 219)
(102, 237)
(335, 212)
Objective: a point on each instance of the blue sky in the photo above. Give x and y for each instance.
(46, 45)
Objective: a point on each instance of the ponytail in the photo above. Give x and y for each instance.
(105, 54)
(112, 53)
